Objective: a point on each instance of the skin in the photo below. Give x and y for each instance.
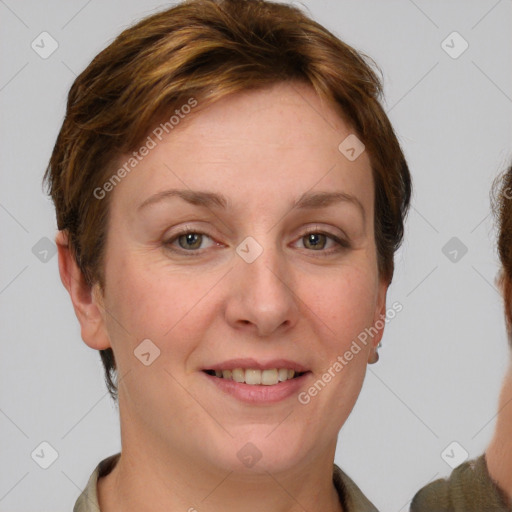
(180, 435)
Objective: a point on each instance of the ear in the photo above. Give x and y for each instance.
(499, 281)
(378, 319)
(502, 281)
(87, 301)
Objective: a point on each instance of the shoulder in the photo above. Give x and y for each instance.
(351, 497)
(469, 488)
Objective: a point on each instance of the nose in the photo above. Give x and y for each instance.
(262, 298)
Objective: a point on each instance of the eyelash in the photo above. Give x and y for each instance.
(342, 244)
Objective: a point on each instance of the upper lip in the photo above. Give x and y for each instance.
(247, 363)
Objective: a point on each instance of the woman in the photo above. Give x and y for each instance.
(229, 197)
(485, 483)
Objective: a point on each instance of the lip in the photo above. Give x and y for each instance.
(247, 363)
(259, 394)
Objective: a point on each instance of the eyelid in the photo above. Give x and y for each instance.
(318, 229)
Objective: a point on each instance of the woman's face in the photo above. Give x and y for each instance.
(228, 274)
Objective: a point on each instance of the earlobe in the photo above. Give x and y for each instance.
(87, 300)
(379, 322)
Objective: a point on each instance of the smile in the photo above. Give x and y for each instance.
(255, 376)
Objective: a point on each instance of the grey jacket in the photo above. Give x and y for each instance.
(468, 489)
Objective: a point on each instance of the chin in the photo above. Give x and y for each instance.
(264, 450)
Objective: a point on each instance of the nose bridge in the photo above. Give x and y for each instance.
(265, 269)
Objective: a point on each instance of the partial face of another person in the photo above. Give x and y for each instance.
(229, 275)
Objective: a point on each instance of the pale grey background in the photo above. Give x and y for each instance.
(444, 355)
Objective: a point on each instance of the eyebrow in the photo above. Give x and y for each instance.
(308, 200)
(195, 197)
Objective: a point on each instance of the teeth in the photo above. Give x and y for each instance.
(238, 375)
(269, 377)
(254, 376)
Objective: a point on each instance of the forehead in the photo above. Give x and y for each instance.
(266, 144)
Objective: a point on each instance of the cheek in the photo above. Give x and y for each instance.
(344, 308)
(346, 303)
(147, 302)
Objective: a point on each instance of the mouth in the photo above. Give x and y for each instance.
(258, 382)
(256, 376)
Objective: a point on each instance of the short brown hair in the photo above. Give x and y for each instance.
(208, 49)
(502, 207)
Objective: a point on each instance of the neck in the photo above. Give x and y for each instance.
(153, 478)
(499, 453)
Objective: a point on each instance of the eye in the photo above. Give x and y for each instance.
(195, 242)
(189, 241)
(318, 240)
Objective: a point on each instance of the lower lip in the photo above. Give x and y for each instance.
(259, 394)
